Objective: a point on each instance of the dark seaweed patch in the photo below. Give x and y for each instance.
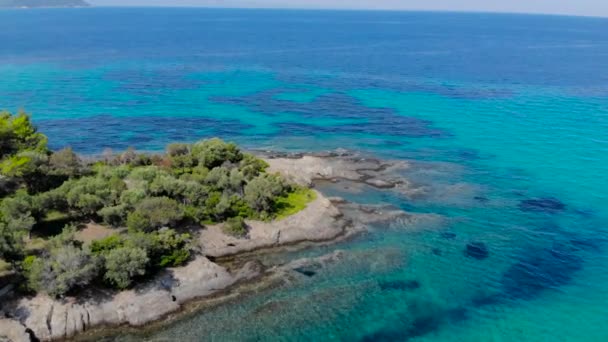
(468, 155)
(448, 235)
(306, 272)
(401, 285)
(546, 204)
(420, 319)
(147, 132)
(541, 270)
(477, 250)
(371, 120)
(481, 199)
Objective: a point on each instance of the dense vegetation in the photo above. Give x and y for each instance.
(150, 201)
(42, 3)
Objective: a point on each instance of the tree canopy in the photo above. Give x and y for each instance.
(156, 197)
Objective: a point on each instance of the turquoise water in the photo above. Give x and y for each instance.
(503, 116)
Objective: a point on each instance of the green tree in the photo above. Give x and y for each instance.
(261, 192)
(11, 243)
(215, 152)
(160, 211)
(114, 216)
(65, 163)
(61, 270)
(18, 213)
(235, 226)
(17, 134)
(171, 249)
(124, 264)
(251, 166)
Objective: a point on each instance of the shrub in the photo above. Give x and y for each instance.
(235, 226)
(11, 242)
(215, 152)
(114, 216)
(252, 166)
(61, 270)
(124, 264)
(137, 221)
(65, 163)
(170, 248)
(178, 149)
(104, 246)
(160, 211)
(132, 196)
(261, 192)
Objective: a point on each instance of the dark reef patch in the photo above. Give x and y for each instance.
(448, 235)
(539, 270)
(146, 132)
(546, 204)
(481, 199)
(371, 120)
(395, 84)
(420, 318)
(154, 82)
(308, 270)
(468, 154)
(477, 250)
(401, 285)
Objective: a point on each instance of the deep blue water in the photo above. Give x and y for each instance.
(504, 117)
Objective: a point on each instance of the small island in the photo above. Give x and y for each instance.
(42, 3)
(129, 238)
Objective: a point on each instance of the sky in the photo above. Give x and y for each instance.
(570, 7)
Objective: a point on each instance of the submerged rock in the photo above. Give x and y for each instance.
(448, 235)
(477, 250)
(380, 183)
(401, 285)
(546, 204)
(540, 270)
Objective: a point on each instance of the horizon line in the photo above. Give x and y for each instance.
(342, 9)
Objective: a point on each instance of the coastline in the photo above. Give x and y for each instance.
(324, 220)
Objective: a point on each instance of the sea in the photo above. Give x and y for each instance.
(503, 118)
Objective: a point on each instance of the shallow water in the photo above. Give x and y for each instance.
(504, 116)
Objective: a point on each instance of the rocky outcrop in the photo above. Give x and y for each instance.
(323, 220)
(11, 330)
(320, 221)
(50, 319)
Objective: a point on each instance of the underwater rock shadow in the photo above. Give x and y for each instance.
(536, 271)
(549, 205)
(541, 270)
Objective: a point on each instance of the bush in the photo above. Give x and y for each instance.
(137, 221)
(60, 271)
(261, 192)
(65, 163)
(104, 246)
(124, 264)
(160, 211)
(235, 226)
(251, 166)
(114, 216)
(170, 248)
(215, 152)
(11, 243)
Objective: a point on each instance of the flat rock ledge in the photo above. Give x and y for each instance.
(49, 319)
(379, 174)
(319, 221)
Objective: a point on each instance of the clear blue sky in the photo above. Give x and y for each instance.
(574, 7)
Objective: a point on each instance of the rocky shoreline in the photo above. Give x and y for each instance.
(323, 220)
